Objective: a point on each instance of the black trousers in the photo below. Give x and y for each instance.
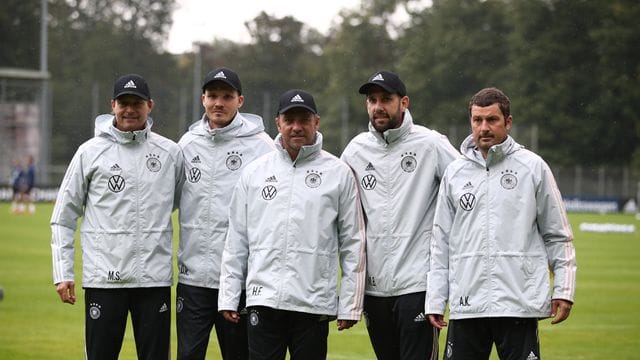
(398, 328)
(272, 331)
(106, 312)
(197, 314)
(515, 338)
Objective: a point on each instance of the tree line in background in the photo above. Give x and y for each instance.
(572, 68)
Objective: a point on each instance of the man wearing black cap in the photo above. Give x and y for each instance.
(295, 221)
(398, 165)
(124, 184)
(216, 148)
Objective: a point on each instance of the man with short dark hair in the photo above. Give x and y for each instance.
(216, 148)
(398, 165)
(124, 184)
(500, 230)
(295, 223)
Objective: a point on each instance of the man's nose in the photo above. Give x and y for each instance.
(377, 106)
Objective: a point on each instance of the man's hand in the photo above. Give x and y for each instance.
(437, 321)
(66, 291)
(346, 324)
(232, 316)
(560, 310)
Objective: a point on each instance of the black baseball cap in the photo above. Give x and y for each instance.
(386, 80)
(225, 75)
(131, 84)
(296, 98)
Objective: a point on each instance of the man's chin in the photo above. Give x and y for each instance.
(381, 128)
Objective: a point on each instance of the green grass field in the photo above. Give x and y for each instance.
(604, 324)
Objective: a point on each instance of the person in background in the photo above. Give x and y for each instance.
(398, 165)
(295, 223)
(500, 230)
(15, 177)
(216, 148)
(124, 183)
(27, 182)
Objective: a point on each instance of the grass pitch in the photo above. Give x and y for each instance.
(34, 324)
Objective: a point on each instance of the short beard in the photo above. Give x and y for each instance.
(394, 122)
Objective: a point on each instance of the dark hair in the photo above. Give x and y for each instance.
(490, 96)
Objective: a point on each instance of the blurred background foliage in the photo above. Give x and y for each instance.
(572, 68)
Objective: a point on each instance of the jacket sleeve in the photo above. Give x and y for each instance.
(235, 255)
(352, 248)
(68, 208)
(556, 233)
(438, 275)
(446, 154)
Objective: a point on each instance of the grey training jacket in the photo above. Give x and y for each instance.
(214, 159)
(124, 185)
(500, 228)
(294, 226)
(398, 174)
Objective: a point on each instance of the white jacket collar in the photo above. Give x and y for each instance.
(105, 127)
(243, 124)
(306, 152)
(392, 135)
(496, 153)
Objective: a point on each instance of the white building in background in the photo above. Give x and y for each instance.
(24, 128)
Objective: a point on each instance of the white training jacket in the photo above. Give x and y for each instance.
(398, 173)
(125, 187)
(293, 226)
(500, 227)
(214, 159)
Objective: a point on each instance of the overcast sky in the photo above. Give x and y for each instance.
(204, 20)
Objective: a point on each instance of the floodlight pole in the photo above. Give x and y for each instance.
(45, 125)
(197, 71)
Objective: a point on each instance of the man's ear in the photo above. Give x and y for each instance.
(404, 103)
(240, 101)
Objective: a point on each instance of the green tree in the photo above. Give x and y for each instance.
(88, 52)
(554, 60)
(450, 51)
(357, 47)
(147, 19)
(615, 110)
(283, 54)
(20, 34)
(575, 73)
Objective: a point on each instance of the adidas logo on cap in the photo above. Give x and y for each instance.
(387, 80)
(297, 98)
(131, 84)
(223, 75)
